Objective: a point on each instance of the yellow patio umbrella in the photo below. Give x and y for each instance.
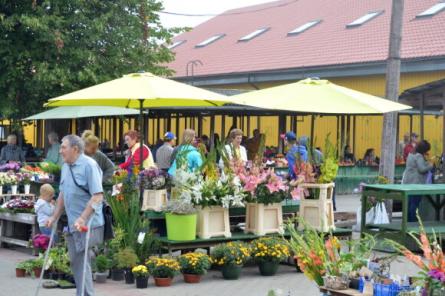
(317, 96)
(140, 90)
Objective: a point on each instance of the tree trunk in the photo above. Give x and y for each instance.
(389, 136)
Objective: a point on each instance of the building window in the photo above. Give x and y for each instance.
(254, 34)
(433, 10)
(304, 27)
(175, 44)
(364, 19)
(210, 40)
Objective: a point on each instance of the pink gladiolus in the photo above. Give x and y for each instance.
(296, 193)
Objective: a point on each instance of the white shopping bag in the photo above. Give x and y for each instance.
(381, 216)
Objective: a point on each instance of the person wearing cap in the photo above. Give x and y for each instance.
(410, 147)
(294, 151)
(164, 153)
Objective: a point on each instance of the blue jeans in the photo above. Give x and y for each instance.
(413, 205)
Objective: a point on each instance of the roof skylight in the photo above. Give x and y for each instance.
(210, 40)
(304, 27)
(366, 18)
(175, 44)
(433, 10)
(254, 34)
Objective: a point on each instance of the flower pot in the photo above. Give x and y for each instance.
(13, 189)
(163, 282)
(129, 277)
(101, 277)
(181, 227)
(262, 219)
(20, 272)
(192, 278)
(1, 189)
(213, 222)
(354, 283)
(37, 272)
(268, 268)
(27, 188)
(231, 272)
(141, 282)
(117, 274)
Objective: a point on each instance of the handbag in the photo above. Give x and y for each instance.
(107, 212)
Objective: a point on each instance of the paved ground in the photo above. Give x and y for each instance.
(251, 284)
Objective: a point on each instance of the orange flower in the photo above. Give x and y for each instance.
(414, 258)
(426, 246)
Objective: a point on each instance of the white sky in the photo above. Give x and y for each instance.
(199, 7)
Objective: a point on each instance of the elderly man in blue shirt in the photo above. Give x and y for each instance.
(81, 197)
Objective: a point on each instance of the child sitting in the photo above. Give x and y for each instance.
(44, 207)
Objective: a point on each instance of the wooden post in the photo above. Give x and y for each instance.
(212, 132)
(158, 130)
(248, 126)
(410, 124)
(422, 117)
(258, 123)
(354, 134)
(223, 128)
(388, 149)
(312, 131)
(200, 125)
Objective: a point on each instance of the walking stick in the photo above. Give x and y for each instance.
(45, 261)
(85, 258)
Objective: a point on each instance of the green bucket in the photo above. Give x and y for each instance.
(181, 227)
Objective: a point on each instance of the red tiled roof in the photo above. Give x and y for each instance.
(328, 43)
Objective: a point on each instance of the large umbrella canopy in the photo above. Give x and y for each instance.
(317, 96)
(82, 112)
(129, 90)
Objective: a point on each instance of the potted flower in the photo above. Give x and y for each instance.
(265, 192)
(40, 242)
(194, 266)
(25, 179)
(163, 270)
(126, 259)
(102, 266)
(37, 266)
(180, 216)
(12, 181)
(231, 257)
(268, 252)
(22, 268)
(153, 181)
(140, 272)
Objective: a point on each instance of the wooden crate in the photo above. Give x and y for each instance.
(319, 213)
(154, 200)
(263, 219)
(213, 222)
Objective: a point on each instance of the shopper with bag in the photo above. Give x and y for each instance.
(81, 196)
(416, 172)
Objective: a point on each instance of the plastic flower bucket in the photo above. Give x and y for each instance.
(181, 227)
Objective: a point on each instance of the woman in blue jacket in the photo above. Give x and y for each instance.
(186, 155)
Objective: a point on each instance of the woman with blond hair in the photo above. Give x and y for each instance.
(92, 150)
(132, 139)
(186, 155)
(234, 150)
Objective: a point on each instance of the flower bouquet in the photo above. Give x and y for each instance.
(268, 252)
(40, 242)
(152, 179)
(231, 257)
(10, 167)
(432, 274)
(163, 270)
(193, 266)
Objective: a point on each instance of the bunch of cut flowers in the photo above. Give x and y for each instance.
(152, 179)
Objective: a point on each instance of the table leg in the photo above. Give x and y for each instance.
(405, 201)
(363, 214)
(2, 232)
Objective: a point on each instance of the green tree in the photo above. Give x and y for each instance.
(48, 48)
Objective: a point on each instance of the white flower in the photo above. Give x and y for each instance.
(225, 201)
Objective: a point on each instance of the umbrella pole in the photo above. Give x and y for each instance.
(141, 147)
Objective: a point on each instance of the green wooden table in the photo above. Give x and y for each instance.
(402, 192)
(171, 245)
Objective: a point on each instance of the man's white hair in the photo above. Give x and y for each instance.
(75, 141)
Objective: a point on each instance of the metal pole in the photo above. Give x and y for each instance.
(141, 127)
(422, 117)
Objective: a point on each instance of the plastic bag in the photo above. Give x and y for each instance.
(381, 216)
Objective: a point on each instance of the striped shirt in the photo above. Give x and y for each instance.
(163, 156)
(11, 153)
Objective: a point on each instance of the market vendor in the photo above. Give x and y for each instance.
(132, 139)
(92, 150)
(294, 152)
(186, 155)
(234, 149)
(370, 158)
(53, 154)
(348, 156)
(11, 152)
